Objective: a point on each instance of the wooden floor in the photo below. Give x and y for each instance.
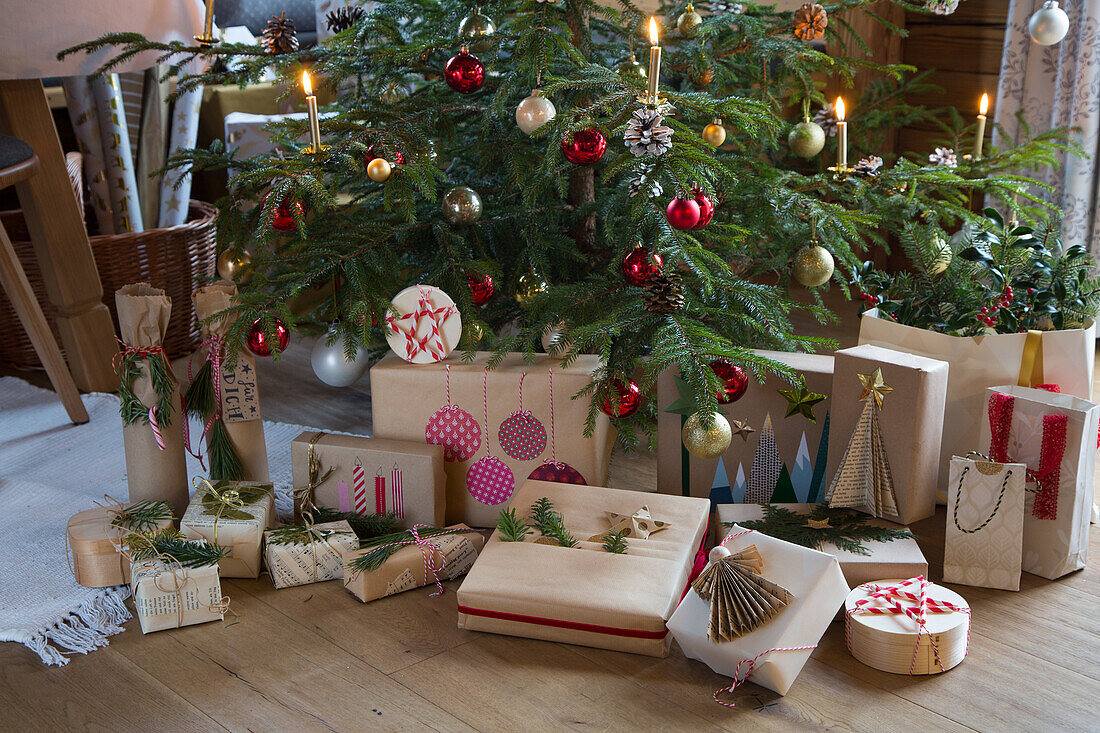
(314, 658)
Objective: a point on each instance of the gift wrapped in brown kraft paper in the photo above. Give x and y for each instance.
(152, 432)
(497, 426)
(236, 394)
(584, 594)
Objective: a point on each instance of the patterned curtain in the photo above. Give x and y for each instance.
(1056, 86)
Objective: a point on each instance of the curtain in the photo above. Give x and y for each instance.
(1058, 86)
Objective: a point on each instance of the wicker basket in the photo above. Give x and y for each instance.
(177, 259)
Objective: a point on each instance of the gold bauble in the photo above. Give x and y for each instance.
(806, 139)
(633, 70)
(688, 22)
(394, 93)
(528, 286)
(715, 133)
(706, 443)
(813, 265)
(941, 254)
(232, 265)
(379, 170)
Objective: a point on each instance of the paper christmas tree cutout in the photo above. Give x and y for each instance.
(765, 466)
(863, 480)
(802, 473)
(740, 486)
(740, 598)
(720, 488)
(817, 482)
(784, 489)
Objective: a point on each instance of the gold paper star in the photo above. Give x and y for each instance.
(873, 386)
(819, 523)
(801, 401)
(639, 525)
(741, 429)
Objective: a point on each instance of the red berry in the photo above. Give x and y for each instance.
(1031, 291)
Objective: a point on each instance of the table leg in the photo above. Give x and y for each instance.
(60, 240)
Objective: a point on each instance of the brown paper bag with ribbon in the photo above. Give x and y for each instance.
(236, 409)
(152, 419)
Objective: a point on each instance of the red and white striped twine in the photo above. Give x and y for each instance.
(156, 427)
(427, 551)
(738, 680)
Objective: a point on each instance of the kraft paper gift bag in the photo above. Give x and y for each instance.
(814, 587)
(780, 453)
(1054, 435)
(1064, 358)
(585, 595)
(497, 426)
(985, 523)
(350, 473)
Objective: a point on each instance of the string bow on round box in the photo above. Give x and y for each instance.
(423, 325)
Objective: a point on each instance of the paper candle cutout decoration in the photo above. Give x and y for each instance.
(740, 598)
(359, 487)
(397, 489)
(379, 492)
(863, 479)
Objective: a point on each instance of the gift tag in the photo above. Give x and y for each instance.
(490, 481)
(558, 472)
(423, 325)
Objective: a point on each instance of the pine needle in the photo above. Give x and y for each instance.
(615, 542)
(847, 529)
(512, 529)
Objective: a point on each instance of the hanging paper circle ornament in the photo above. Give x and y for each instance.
(733, 378)
(683, 213)
(640, 266)
(490, 481)
(630, 399)
(423, 325)
(706, 207)
(464, 73)
(258, 342)
(522, 436)
(1049, 24)
(585, 147)
(534, 112)
(559, 473)
(456, 430)
(481, 288)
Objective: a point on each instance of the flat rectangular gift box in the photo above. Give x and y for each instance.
(586, 595)
(315, 560)
(169, 597)
(372, 476)
(242, 537)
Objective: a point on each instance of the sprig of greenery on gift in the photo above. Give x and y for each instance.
(201, 402)
(845, 529)
(161, 378)
(1006, 277)
(365, 526)
(142, 516)
(246, 493)
(145, 546)
(550, 523)
(301, 534)
(383, 547)
(512, 528)
(615, 542)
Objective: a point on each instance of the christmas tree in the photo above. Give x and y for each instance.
(440, 165)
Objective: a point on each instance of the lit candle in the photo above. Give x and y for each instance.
(311, 106)
(979, 139)
(654, 60)
(842, 136)
(207, 37)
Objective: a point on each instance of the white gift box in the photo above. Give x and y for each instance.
(819, 589)
(246, 132)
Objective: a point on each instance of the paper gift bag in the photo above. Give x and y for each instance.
(418, 560)
(369, 476)
(586, 595)
(777, 649)
(985, 523)
(95, 537)
(1054, 435)
(498, 426)
(912, 392)
(898, 557)
(778, 456)
(168, 596)
(1064, 358)
(309, 553)
(232, 515)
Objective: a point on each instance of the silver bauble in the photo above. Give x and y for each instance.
(534, 112)
(330, 365)
(1049, 24)
(461, 205)
(477, 28)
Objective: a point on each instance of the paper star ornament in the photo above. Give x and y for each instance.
(801, 401)
(819, 523)
(741, 429)
(874, 387)
(639, 525)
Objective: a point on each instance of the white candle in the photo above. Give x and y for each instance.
(979, 139)
(311, 107)
(654, 60)
(842, 136)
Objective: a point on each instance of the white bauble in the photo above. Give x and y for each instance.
(534, 112)
(1049, 24)
(332, 367)
(553, 341)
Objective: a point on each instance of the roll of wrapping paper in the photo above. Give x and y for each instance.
(122, 185)
(152, 472)
(240, 402)
(153, 143)
(175, 187)
(85, 121)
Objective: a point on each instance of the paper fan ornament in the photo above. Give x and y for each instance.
(423, 325)
(489, 480)
(553, 469)
(521, 435)
(453, 428)
(740, 598)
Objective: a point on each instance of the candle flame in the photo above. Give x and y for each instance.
(306, 84)
(984, 106)
(840, 109)
(652, 31)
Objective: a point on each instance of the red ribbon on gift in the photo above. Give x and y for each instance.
(1052, 451)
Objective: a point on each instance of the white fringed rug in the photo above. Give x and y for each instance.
(51, 469)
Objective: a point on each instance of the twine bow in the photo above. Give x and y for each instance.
(180, 579)
(431, 342)
(218, 503)
(320, 535)
(303, 496)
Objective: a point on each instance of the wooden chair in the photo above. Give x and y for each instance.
(18, 163)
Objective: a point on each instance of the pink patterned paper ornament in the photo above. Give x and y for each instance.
(521, 435)
(489, 480)
(453, 428)
(423, 325)
(553, 469)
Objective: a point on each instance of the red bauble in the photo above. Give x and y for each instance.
(586, 147)
(682, 214)
(481, 288)
(641, 265)
(706, 207)
(283, 221)
(398, 157)
(258, 342)
(733, 378)
(630, 399)
(464, 73)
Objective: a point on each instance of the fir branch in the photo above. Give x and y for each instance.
(225, 464)
(161, 379)
(300, 534)
(365, 526)
(143, 516)
(147, 546)
(200, 398)
(550, 523)
(846, 529)
(615, 542)
(512, 529)
(382, 548)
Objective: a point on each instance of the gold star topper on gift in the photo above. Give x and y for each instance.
(741, 429)
(801, 401)
(874, 387)
(819, 523)
(639, 525)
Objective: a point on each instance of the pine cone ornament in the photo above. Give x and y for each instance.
(646, 134)
(280, 36)
(827, 119)
(343, 18)
(944, 157)
(642, 183)
(943, 7)
(664, 293)
(868, 166)
(810, 22)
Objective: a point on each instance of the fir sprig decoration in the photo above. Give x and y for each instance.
(615, 542)
(550, 523)
(365, 526)
(201, 401)
(512, 528)
(217, 503)
(128, 369)
(846, 529)
(170, 542)
(386, 545)
(142, 516)
(301, 534)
